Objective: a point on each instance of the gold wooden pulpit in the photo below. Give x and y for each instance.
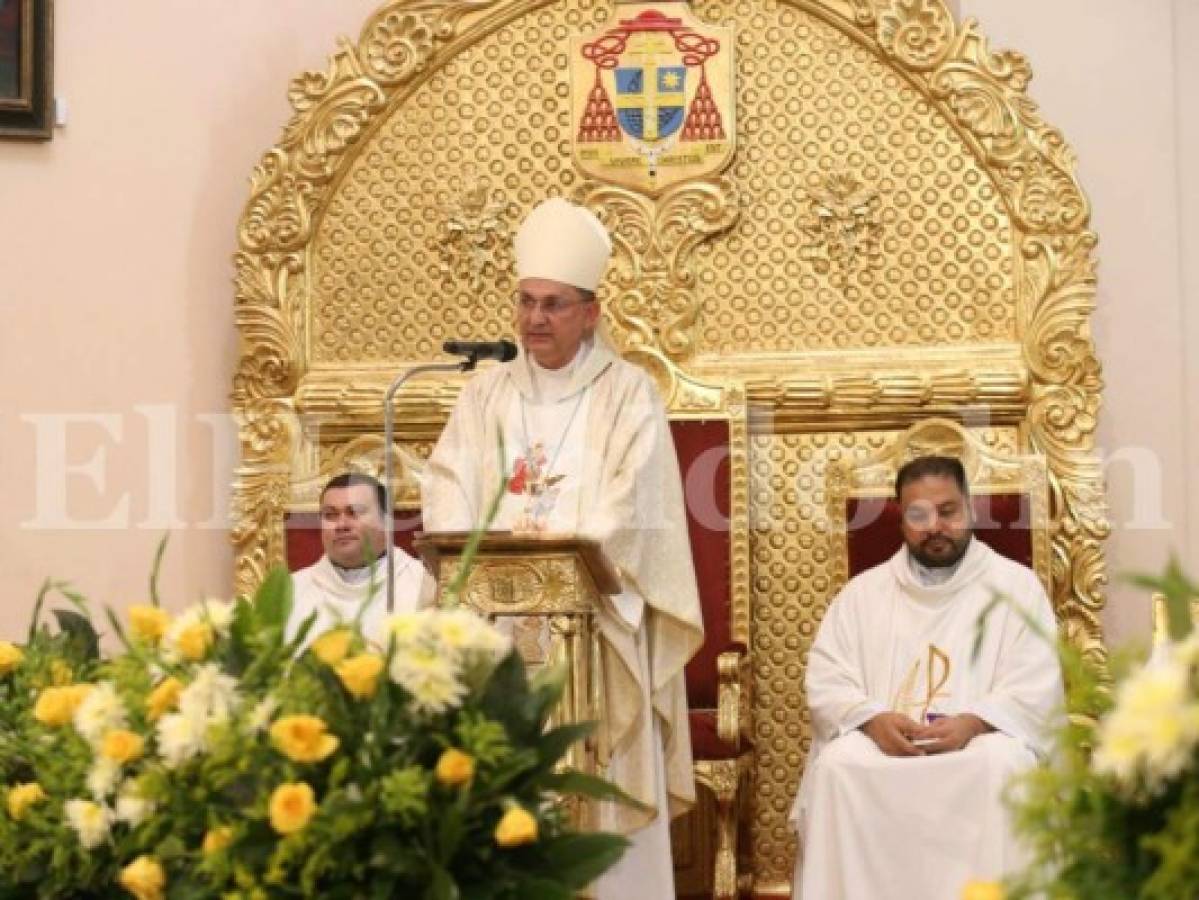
(548, 588)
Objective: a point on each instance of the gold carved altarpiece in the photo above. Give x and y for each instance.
(897, 235)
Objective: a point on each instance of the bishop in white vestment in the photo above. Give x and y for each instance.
(915, 737)
(352, 570)
(589, 451)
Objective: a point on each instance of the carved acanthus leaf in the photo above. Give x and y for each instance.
(653, 242)
(985, 91)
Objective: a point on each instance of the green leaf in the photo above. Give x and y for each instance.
(81, 635)
(584, 785)
(579, 859)
(442, 885)
(273, 602)
(1179, 591)
(157, 567)
(506, 699)
(554, 743)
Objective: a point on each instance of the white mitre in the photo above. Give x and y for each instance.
(562, 242)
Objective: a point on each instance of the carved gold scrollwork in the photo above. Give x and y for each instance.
(916, 32)
(986, 92)
(267, 433)
(270, 350)
(398, 40)
(654, 284)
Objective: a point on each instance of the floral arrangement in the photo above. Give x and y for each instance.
(214, 757)
(1116, 813)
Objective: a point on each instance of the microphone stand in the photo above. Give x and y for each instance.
(466, 365)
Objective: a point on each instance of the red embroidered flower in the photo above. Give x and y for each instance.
(520, 474)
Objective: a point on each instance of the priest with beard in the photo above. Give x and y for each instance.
(915, 735)
(587, 450)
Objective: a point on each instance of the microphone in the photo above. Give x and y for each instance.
(503, 351)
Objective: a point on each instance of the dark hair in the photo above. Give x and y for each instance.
(349, 479)
(926, 466)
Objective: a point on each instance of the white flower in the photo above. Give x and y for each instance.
(1154, 727)
(133, 810)
(218, 614)
(102, 778)
(463, 631)
(429, 677)
(91, 821)
(180, 738)
(262, 713)
(100, 712)
(211, 696)
(409, 628)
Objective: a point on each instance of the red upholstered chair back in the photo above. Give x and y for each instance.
(1002, 522)
(703, 451)
(303, 536)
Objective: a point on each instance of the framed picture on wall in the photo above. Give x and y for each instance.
(26, 69)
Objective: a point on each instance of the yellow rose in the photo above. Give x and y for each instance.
(217, 839)
(982, 890)
(195, 641)
(455, 768)
(303, 738)
(148, 623)
(60, 672)
(332, 646)
(144, 878)
(56, 705)
(164, 696)
(291, 807)
(22, 796)
(122, 746)
(516, 827)
(10, 657)
(360, 674)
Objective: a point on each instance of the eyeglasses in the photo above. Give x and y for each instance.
(551, 307)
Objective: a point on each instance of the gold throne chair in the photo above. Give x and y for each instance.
(869, 226)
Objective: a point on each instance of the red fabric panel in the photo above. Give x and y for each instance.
(303, 536)
(1002, 522)
(702, 449)
(704, 742)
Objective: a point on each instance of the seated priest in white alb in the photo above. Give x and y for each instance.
(588, 451)
(915, 738)
(354, 537)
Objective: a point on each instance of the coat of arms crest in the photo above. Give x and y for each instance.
(652, 97)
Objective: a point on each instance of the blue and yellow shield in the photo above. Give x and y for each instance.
(650, 103)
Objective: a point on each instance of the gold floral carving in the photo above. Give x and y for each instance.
(843, 225)
(916, 32)
(470, 235)
(654, 297)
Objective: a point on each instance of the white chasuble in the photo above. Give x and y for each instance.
(323, 589)
(873, 826)
(594, 438)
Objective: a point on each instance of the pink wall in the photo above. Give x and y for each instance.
(116, 295)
